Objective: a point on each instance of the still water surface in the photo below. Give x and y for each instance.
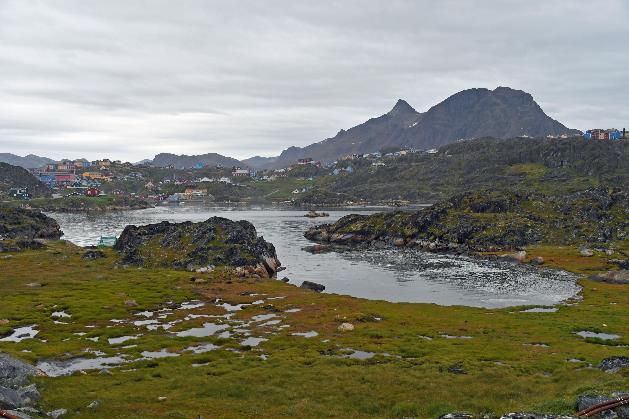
(391, 274)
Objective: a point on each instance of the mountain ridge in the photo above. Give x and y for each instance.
(472, 113)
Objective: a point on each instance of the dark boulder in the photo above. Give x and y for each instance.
(614, 363)
(14, 389)
(313, 286)
(588, 400)
(24, 224)
(214, 242)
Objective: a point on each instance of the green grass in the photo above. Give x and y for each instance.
(305, 377)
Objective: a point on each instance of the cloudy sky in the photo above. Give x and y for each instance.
(128, 79)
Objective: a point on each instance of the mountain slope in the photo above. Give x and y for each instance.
(18, 177)
(28, 162)
(476, 113)
(473, 113)
(185, 161)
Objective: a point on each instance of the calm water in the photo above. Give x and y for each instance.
(393, 275)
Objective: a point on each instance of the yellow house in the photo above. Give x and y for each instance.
(95, 176)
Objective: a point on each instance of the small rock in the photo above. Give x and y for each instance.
(538, 260)
(161, 398)
(520, 256)
(33, 285)
(199, 281)
(612, 277)
(130, 303)
(205, 269)
(317, 248)
(94, 404)
(457, 416)
(4, 321)
(105, 371)
(55, 414)
(285, 279)
(614, 363)
(94, 254)
(586, 252)
(345, 327)
(456, 369)
(398, 242)
(313, 286)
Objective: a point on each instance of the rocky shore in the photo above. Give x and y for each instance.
(199, 246)
(490, 221)
(22, 229)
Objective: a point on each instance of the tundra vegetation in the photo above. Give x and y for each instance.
(280, 350)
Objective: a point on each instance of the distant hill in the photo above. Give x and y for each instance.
(15, 176)
(30, 161)
(550, 166)
(473, 113)
(186, 162)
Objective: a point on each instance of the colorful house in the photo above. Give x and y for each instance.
(603, 134)
(92, 191)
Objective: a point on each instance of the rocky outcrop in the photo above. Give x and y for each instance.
(614, 363)
(612, 277)
(22, 229)
(313, 286)
(587, 401)
(214, 242)
(15, 392)
(490, 221)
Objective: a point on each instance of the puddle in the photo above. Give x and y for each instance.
(21, 333)
(456, 337)
(121, 339)
(60, 314)
(159, 354)
(61, 368)
(604, 336)
(310, 334)
(251, 341)
(270, 323)
(359, 354)
(200, 349)
(263, 317)
(208, 329)
(189, 305)
(292, 310)
(538, 344)
(145, 322)
(231, 307)
(257, 302)
(541, 310)
(94, 339)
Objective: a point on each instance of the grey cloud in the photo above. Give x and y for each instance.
(248, 77)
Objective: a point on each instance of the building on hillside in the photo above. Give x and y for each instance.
(199, 165)
(96, 176)
(92, 191)
(240, 172)
(65, 180)
(19, 193)
(307, 160)
(603, 134)
(46, 178)
(65, 166)
(195, 192)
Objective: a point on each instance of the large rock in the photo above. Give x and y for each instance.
(14, 389)
(214, 242)
(23, 224)
(588, 400)
(489, 221)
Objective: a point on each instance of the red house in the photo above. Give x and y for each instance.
(92, 192)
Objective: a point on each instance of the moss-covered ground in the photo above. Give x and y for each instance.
(506, 367)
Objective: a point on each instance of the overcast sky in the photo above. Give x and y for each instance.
(128, 79)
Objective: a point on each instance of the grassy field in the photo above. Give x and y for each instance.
(512, 361)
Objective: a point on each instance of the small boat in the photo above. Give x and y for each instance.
(107, 241)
